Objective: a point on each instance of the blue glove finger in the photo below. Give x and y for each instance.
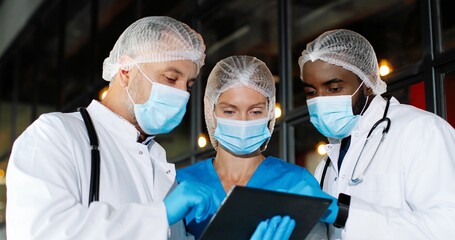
(204, 206)
(332, 212)
(260, 230)
(271, 228)
(185, 197)
(284, 229)
(287, 234)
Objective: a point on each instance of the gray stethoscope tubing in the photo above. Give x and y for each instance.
(359, 179)
(95, 153)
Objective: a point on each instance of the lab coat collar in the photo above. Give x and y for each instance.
(333, 151)
(113, 122)
(373, 113)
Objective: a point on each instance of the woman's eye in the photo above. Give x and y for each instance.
(258, 112)
(228, 112)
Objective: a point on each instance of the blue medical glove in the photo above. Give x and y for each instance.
(314, 191)
(188, 195)
(276, 228)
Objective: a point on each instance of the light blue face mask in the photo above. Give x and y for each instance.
(164, 109)
(241, 137)
(332, 116)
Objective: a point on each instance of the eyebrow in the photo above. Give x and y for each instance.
(326, 83)
(226, 104)
(260, 104)
(175, 70)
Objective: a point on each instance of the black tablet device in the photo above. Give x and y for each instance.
(245, 207)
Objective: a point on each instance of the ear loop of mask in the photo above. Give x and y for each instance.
(366, 101)
(140, 70)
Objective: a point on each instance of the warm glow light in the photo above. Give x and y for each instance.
(103, 93)
(2, 182)
(321, 149)
(384, 70)
(384, 67)
(202, 141)
(277, 110)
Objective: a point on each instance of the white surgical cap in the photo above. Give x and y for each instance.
(154, 39)
(238, 71)
(348, 50)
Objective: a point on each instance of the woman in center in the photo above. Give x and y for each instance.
(239, 106)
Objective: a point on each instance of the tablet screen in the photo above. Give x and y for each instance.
(245, 207)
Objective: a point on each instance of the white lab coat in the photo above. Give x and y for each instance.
(409, 190)
(48, 179)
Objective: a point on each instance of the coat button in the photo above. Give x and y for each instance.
(140, 152)
(335, 179)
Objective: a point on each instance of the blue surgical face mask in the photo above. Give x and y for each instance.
(164, 109)
(332, 116)
(241, 137)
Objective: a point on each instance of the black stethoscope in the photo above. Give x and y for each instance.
(385, 130)
(95, 153)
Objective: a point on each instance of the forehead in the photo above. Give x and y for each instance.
(319, 72)
(241, 95)
(186, 68)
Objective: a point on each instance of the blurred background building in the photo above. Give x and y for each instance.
(51, 54)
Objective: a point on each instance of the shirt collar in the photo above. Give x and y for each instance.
(113, 122)
(373, 113)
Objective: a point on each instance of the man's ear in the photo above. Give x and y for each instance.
(123, 77)
(369, 92)
(122, 73)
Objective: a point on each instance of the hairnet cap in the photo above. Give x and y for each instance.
(154, 39)
(348, 50)
(238, 71)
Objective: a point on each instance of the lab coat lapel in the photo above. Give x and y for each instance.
(164, 172)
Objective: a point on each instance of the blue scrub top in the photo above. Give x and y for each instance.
(272, 174)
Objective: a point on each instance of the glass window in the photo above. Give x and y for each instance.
(205, 155)
(48, 74)
(242, 28)
(273, 147)
(5, 130)
(171, 8)
(78, 55)
(447, 24)
(307, 139)
(413, 95)
(181, 164)
(393, 28)
(5, 109)
(449, 89)
(25, 86)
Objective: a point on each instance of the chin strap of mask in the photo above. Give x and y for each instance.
(95, 168)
